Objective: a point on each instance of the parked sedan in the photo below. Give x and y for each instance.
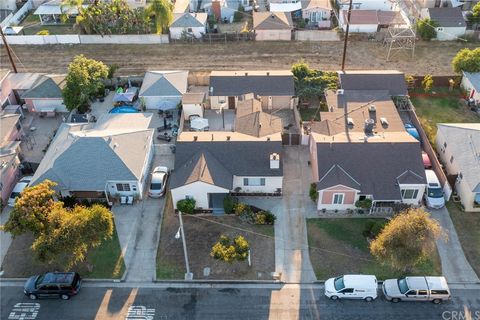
(19, 187)
(426, 160)
(158, 182)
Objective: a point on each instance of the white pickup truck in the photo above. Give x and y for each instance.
(433, 289)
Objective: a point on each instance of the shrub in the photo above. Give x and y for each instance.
(240, 208)
(228, 205)
(227, 251)
(43, 32)
(427, 83)
(260, 218)
(377, 228)
(313, 192)
(364, 204)
(426, 29)
(186, 205)
(269, 217)
(238, 15)
(368, 227)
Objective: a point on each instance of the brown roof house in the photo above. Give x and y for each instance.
(272, 26)
(361, 150)
(370, 21)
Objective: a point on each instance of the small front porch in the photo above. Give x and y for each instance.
(215, 202)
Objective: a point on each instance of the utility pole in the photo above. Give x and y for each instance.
(346, 34)
(188, 275)
(7, 47)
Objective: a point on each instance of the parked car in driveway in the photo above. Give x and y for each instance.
(158, 182)
(426, 160)
(434, 196)
(355, 286)
(53, 285)
(19, 187)
(433, 289)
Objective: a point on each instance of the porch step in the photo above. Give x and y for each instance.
(218, 211)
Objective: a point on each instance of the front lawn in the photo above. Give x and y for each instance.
(337, 246)
(201, 233)
(467, 225)
(309, 114)
(446, 107)
(103, 262)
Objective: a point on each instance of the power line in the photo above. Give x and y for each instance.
(7, 47)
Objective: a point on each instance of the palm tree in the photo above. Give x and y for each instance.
(162, 10)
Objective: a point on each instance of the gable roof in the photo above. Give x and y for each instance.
(391, 80)
(337, 176)
(447, 17)
(263, 83)
(327, 127)
(83, 157)
(463, 141)
(237, 158)
(189, 20)
(311, 4)
(258, 124)
(410, 177)
(8, 123)
(164, 83)
(46, 87)
(474, 78)
(374, 17)
(375, 166)
(272, 21)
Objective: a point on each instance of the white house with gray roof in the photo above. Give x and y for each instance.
(89, 160)
(451, 23)
(471, 84)
(458, 145)
(188, 25)
(163, 89)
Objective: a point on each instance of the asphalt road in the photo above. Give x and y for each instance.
(224, 302)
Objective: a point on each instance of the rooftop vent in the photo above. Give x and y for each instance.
(384, 122)
(350, 122)
(246, 74)
(268, 73)
(228, 138)
(274, 161)
(369, 124)
(372, 108)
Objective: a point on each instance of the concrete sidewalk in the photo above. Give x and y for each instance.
(5, 237)
(455, 266)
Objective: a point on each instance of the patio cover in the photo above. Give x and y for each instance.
(167, 105)
(199, 124)
(124, 97)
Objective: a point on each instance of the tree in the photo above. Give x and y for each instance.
(238, 15)
(84, 79)
(427, 82)
(226, 250)
(163, 12)
(426, 29)
(186, 205)
(71, 233)
(407, 239)
(310, 82)
(32, 209)
(467, 60)
(474, 16)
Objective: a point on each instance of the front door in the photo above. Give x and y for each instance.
(231, 102)
(215, 202)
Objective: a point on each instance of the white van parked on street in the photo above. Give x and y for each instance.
(355, 286)
(434, 196)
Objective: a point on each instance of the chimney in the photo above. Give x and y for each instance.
(195, 138)
(274, 161)
(369, 124)
(246, 74)
(268, 73)
(228, 138)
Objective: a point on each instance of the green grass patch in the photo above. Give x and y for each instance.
(166, 271)
(467, 225)
(307, 114)
(338, 246)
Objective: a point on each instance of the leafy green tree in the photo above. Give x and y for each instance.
(72, 232)
(427, 82)
(32, 209)
(238, 15)
(310, 82)
(163, 12)
(84, 79)
(467, 60)
(407, 239)
(474, 16)
(226, 250)
(426, 29)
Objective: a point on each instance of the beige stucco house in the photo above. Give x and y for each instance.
(272, 26)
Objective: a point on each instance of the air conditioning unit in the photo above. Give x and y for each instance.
(372, 108)
(350, 121)
(340, 91)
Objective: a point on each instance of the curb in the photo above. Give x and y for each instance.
(221, 282)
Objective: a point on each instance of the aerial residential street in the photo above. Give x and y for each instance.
(99, 301)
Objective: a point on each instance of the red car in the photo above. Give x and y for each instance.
(426, 160)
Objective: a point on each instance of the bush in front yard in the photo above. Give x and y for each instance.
(364, 204)
(228, 205)
(226, 250)
(313, 192)
(186, 205)
(241, 208)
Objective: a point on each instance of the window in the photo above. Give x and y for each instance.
(189, 29)
(412, 293)
(123, 187)
(255, 182)
(188, 197)
(439, 292)
(134, 188)
(338, 198)
(348, 290)
(409, 193)
(422, 292)
(49, 287)
(451, 159)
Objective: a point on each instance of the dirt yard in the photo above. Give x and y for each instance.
(201, 234)
(430, 57)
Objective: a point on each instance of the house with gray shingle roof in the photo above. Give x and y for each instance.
(163, 89)
(188, 25)
(458, 145)
(451, 23)
(45, 95)
(209, 170)
(90, 160)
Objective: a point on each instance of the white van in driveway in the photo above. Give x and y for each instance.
(433, 289)
(353, 286)
(434, 195)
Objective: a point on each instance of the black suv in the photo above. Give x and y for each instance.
(53, 285)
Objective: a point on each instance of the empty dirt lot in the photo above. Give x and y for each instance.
(430, 57)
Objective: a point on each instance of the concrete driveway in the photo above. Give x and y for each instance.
(138, 227)
(5, 237)
(455, 266)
